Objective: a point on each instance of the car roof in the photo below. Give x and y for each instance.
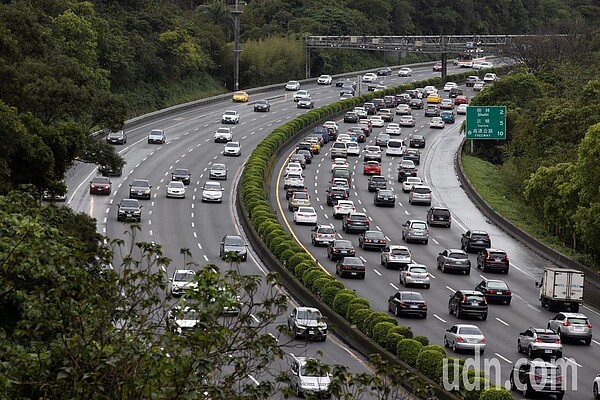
(440, 208)
(492, 250)
(573, 315)
(456, 251)
(469, 291)
(478, 232)
(466, 326)
(308, 309)
(416, 220)
(542, 330)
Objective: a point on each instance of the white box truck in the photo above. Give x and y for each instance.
(561, 288)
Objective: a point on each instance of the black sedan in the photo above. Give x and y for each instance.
(412, 154)
(495, 290)
(416, 141)
(351, 116)
(372, 240)
(407, 303)
(385, 198)
(181, 174)
(262, 106)
(385, 71)
(340, 248)
(350, 266)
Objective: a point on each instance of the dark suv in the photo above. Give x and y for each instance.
(475, 240)
(377, 182)
(181, 174)
(493, 260)
(416, 141)
(468, 302)
(340, 248)
(129, 208)
(355, 222)
(439, 216)
(335, 194)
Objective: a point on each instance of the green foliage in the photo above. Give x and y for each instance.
(424, 340)
(380, 331)
(301, 269)
(297, 259)
(478, 386)
(404, 331)
(311, 275)
(359, 316)
(408, 351)
(391, 341)
(286, 255)
(321, 282)
(341, 301)
(496, 393)
(374, 319)
(435, 347)
(429, 362)
(356, 304)
(328, 293)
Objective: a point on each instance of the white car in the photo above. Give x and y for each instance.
(465, 337)
(331, 124)
(176, 189)
(462, 109)
(361, 112)
(478, 86)
(232, 149)
(415, 275)
(352, 149)
(372, 153)
(437, 122)
(218, 171)
(377, 121)
(230, 117)
(482, 65)
(293, 168)
(393, 129)
(305, 215)
(596, 387)
(395, 256)
(212, 192)
(183, 319)
(403, 109)
(446, 104)
(223, 134)
(407, 120)
(343, 207)
(450, 85)
(182, 280)
(292, 85)
(490, 77)
(301, 93)
(409, 182)
(344, 137)
(395, 147)
(339, 163)
(306, 379)
(324, 80)
(404, 71)
(296, 180)
(369, 77)
(429, 90)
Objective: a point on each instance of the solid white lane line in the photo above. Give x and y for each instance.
(504, 358)
(499, 320)
(450, 289)
(443, 320)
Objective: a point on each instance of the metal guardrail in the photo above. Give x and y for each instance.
(592, 279)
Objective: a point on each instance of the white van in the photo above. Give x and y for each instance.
(395, 147)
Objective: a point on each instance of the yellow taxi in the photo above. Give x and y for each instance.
(434, 98)
(315, 147)
(240, 96)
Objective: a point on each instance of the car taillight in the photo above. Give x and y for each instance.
(537, 378)
(408, 274)
(589, 325)
(460, 339)
(491, 291)
(484, 300)
(403, 303)
(559, 378)
(567, 323)
(463, 299)
(507, 292)
(427, 275)
(336, 250)
(482, 340)
(505, 259)
(424, 305)
(538, 340)
(557, 341)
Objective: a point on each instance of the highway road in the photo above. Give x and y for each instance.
(189, 223)
(437, 168)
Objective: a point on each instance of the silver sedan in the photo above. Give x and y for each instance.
(465, 337)
(415, 275)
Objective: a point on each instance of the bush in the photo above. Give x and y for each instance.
(320, 283)
(436, 347)
(341, 301)
(276, 241)
(429, 362)
(328, 294)
(391, 341)
(286, 255)
(380, 331)
(267, 227)
(312, 271)
(359, 316)
(404, 331)
(297, 259)
(479, 383)
(423, 339)
(353, 307)
(496, 393)
(276, 233)
(301, 269)
(408, 351)
(312, 275)
(374, 319)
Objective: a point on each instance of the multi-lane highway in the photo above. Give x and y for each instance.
(437, 168)
(189, 223)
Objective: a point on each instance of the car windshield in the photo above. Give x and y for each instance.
(400, 252)
(412, 296)
(100, 180)
(378, 179)
(479, 237)
(176, 184)
(229, 112)
(474, 297)
(413, 180)
(212, 186)
(578, 320)
(309, 314)
(129, 203)
(421, 190)
(181, 172)
(234, 241)
(232, 144)
(343, 244)
(418, 270)
(301, 195)
(116, 134)
(156, 132)
(218, 167)
(386, 193)
(497, 285)
(469, 330)
(184, 276)
(419, 225)
(458, 256)
(352, 261)
(497, 254)
(326, 230)
(395, 143)
(138, 183)
(312, 372)
(375, 235)
(306, 210)
(223, 130)
(441, 212)
(358, 217)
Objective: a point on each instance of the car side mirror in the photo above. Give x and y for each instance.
(448, 330)
(441, 254)
(150, 186)
(522, 333)
(538, 284)
(170, 279)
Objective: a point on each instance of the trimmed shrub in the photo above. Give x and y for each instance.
(328, 294)
(320, 283)
(429, 362)
(312, 275)
(341, 301)
(297, 259)
(496, 393)
(391, 341)
(436, 347)
(301, 269)
(353, 306)
(478, 385)
(286, 244)
(276, 241)
(267, 227)
(423, 339)
(273, 234)
(313, 270)
(374, 319)
(380, 331)
(408, 351)
(335, 283)
(359, 316)
(404, 331)
(286, 255)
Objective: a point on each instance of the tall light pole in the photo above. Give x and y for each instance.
(236, 45)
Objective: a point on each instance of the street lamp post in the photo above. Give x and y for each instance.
(236, 45)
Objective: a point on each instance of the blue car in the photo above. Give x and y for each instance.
(448, 117)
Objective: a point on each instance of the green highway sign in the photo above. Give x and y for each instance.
(486, 122)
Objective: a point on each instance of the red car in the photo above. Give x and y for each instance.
(372, 168)
(100, 185)
(437, 67)
(461, 100)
